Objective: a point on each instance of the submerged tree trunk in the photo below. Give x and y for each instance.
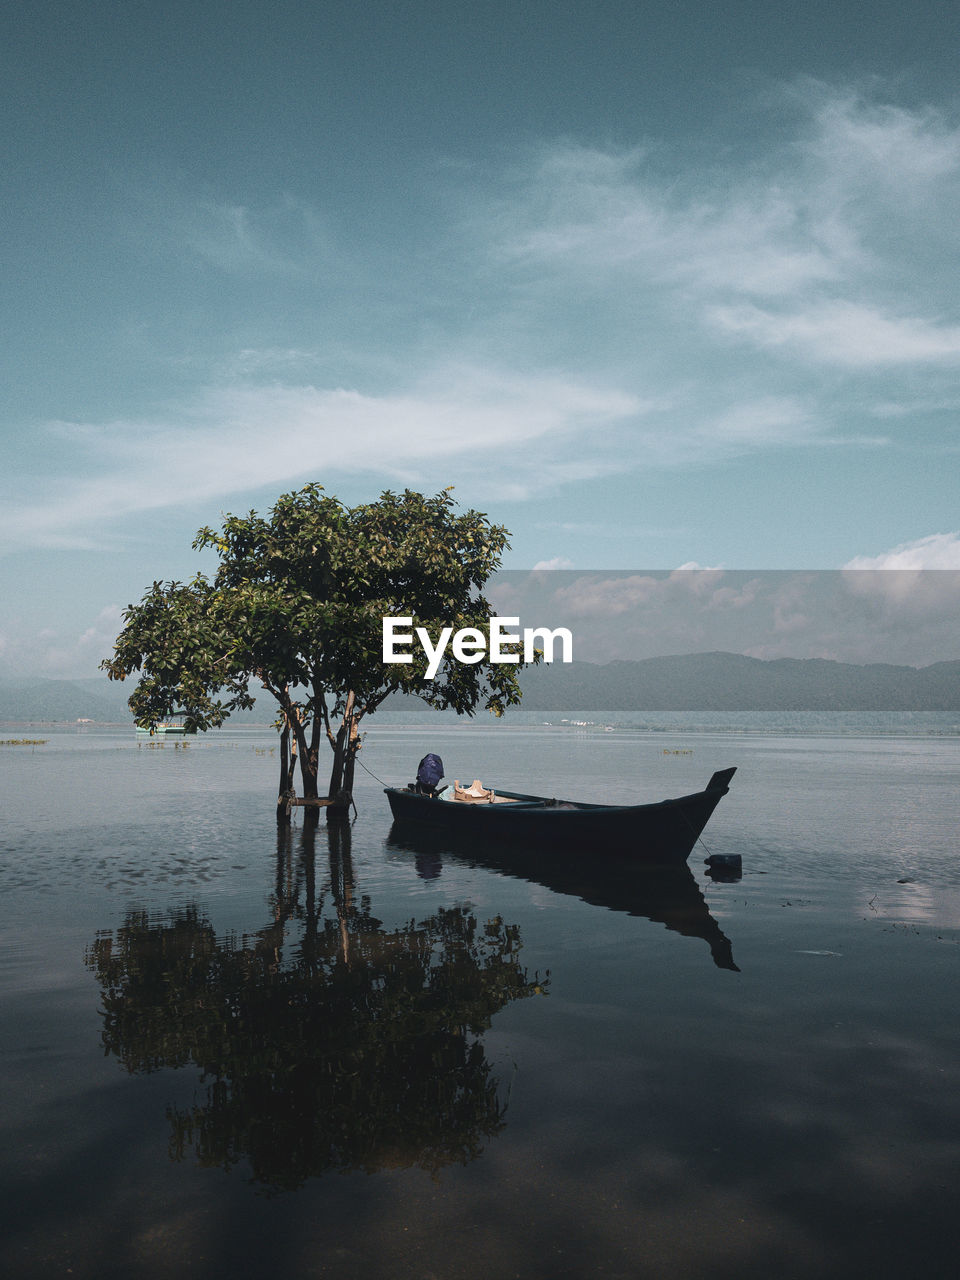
(350, 763)
(345, 749)
(283, 790)
(294, 749)
(301, 750)
(308, 775)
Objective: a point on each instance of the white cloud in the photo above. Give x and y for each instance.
(61, 653)
(843, 333)
(658, 292)
(936, 551)
(918, 581)
(494, 434)
(769, 420)
(835, 250)
(556, 562)
(594, 211)
(867, 142)
(234, 439)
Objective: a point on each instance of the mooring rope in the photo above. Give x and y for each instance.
(371, 773)
(699, 839)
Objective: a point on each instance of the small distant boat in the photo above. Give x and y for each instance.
(662, 832)
(167, 729)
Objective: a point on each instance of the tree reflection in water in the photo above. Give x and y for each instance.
(358, 1049)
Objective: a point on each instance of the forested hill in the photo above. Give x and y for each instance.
(55, 700)
(693, 682)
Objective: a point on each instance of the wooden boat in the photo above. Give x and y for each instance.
(663, 832)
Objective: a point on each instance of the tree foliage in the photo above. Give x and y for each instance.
(296, 608)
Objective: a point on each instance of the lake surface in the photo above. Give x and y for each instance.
(226, 1052)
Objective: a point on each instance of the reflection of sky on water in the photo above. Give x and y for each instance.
(924, 903)
(659, 1109)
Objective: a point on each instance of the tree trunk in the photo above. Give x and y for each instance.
(345, 747)
(350, 763)
(294, 747)
(308, 759)
(336, 769)
(283, 809)
(308, 775)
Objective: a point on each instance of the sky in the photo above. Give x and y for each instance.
(657, 285)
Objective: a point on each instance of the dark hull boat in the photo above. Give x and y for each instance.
(664, 832)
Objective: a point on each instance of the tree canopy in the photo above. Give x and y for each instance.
(296, 607)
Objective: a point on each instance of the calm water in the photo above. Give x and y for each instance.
(227, 1054)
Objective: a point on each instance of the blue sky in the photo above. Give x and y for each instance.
(654, 284)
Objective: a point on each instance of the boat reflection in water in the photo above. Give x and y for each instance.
(666, 894)
(325, 1041)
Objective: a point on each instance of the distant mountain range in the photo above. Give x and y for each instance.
(54, 700)
(693, 682)
(732, 682)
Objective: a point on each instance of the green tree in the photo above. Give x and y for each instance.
(296, 607)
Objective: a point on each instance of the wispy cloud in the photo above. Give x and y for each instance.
(862, 141)
(801, 251)
(234, 438)
(227, 236)
(611, 211)
(936, 551)
(276, 235)
(551, 565)
(57, 651)
(843, 333)
(230, 440)
(660, 292)
(769, 420)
